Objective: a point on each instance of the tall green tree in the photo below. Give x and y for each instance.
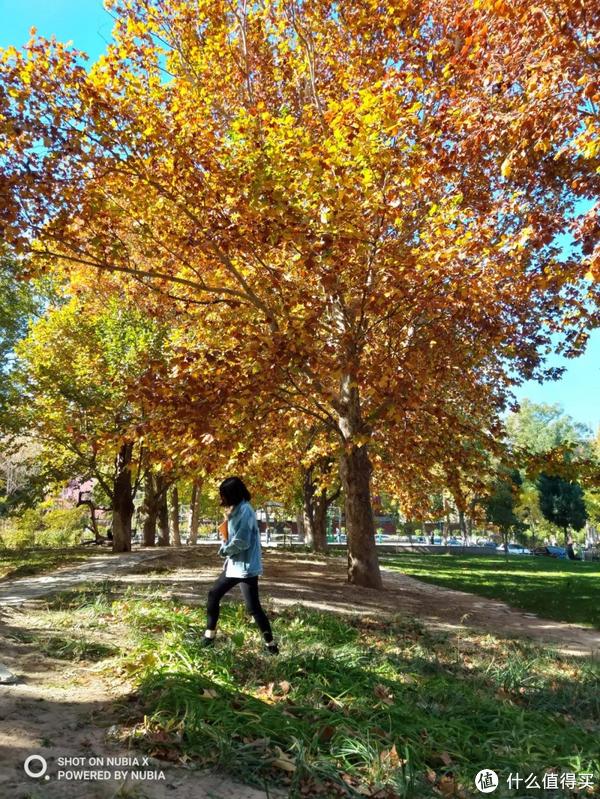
(19, 302)
(562, 502)
(539, 428)
(554, 453)
(501, 502)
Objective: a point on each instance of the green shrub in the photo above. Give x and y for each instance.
(62, 527)
(57, 527)
(20, 531)
(12, 537)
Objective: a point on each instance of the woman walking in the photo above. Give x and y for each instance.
(243, 563)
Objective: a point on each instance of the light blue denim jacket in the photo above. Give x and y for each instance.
(242, 549)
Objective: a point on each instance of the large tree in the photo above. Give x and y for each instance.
(19, 303)
(356, 203)
(555, 454)
(501, 502)
(539, 428)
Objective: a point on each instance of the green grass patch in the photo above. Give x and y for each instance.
(75, 647)
(359, 707)
(555, 589)
(36, 560)
(94, 597)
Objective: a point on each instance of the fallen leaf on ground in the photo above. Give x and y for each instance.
(430, 775)
(442, 758)
(447, 785)
(326, 733)
(390, 757)
(283, 761)
(383, 693)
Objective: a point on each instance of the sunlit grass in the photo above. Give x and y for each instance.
(36, 560)
(556, 589)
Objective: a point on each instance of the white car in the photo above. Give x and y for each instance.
(513, 549)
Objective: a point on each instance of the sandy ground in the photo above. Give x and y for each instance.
(63, 708)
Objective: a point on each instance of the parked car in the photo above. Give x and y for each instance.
(490, 544)
(513, 549)
(551, 552)
(454, 542)
(591, 552)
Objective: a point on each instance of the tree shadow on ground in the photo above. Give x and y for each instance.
(369, 685)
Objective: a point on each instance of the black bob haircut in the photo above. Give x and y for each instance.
(233, 491)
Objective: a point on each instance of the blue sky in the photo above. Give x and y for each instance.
(84, 21)
(577, 388)
(89, 26)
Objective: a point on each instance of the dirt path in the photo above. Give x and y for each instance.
(320, 584)
(437, 607)
(97, 567)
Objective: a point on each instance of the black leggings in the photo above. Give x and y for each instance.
(249, 588)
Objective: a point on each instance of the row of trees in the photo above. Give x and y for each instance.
(299, 233)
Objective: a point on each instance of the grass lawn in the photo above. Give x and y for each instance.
(22, 562)
(556, 589)
(351, 707)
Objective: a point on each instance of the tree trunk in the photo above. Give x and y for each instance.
(195, 508)
(446, 527)
(355, 474)
(315, 514)
(149, 528)
(155, 509)
(315, 523)
(301, 527)
(150, 510)
(122, 501)
(363, 563)
(463, 525)
(93, 525)
(164, 538)
(469, 521)
(175, 516)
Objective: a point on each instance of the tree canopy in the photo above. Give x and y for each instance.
(352, 210)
